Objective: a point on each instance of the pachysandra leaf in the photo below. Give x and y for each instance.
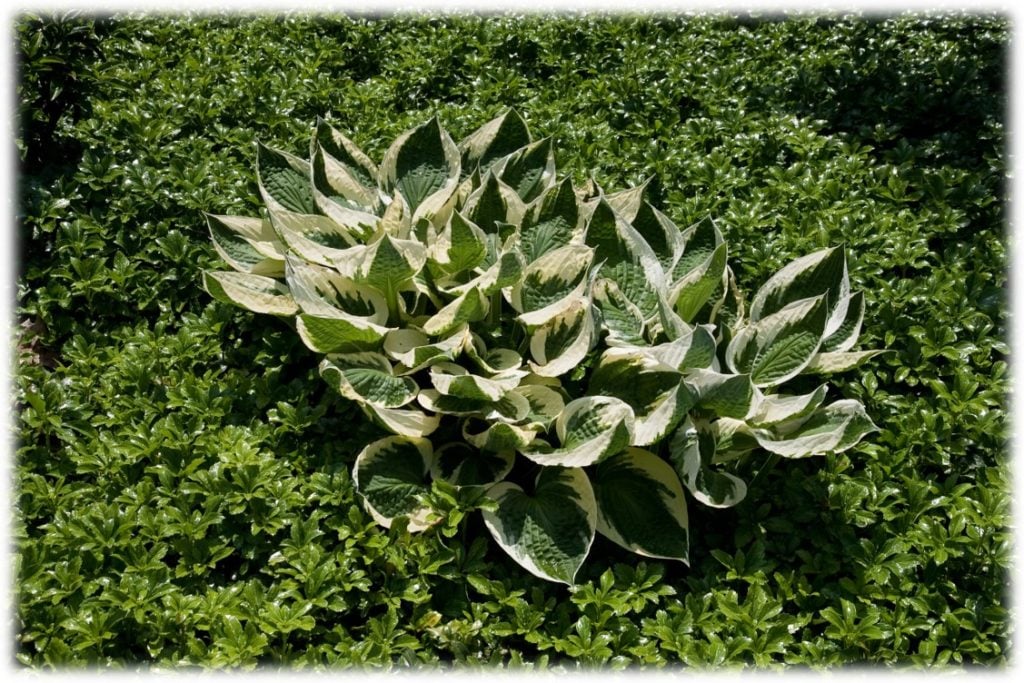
(391, 476)
(779, 346)
(249, 245)
(284, 180)
(815, 275)
(589, 429)
(641, 505)
(549, 531)
(692, 452)
(461, 465)
(367, 378)
(252, 292)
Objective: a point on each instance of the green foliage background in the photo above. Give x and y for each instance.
(183, 493)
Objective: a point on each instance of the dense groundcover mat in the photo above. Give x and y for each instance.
(183, 486)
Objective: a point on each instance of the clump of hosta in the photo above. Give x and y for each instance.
(455, 289)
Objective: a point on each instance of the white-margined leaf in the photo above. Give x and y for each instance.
(692, 291)
(641, 505)
(495, 361)
(619, 316)
(497, 436)
(255, 293)
(388, 264)
(461, 246)
(692, 452)
(367, 378)
(694, 348)
(626, 259)
(530, 170)
(552, 283)
(775, 409)
(589, 429)
(831, 429)
(656, 392)
(550, 530)
(545, 404)
(339, 333)
(778, 347)
(414, 351)
(700, 241)
(467, 308)
(723, 394)
(342, 173)
(497, 138)
(284, 180)
(822, 273)
(553, 221)
(493, 205)
(318, 239)
(324, 293)
(391, 476)
(510, 408)
(249, 245)
(839, 361)
(424, 165)
(461, 465)
(455, 380)
(410, 422)
(845, 336)
(563, 342)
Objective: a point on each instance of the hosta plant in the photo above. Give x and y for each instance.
(573, 354)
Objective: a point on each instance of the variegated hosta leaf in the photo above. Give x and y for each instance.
(840, 361)
(823, 272)
(455, 380)
(775, 409)
(692, 291)
(397, 218)
(424, 165)
(460, 247)
(732, 437)
(846, 335)
(252, 292)
(497, 138)
(552, 223)
(317, 239)
(284, 180)
(390, 263)
(323, 292)
(414, 351)
(626, 258)
(658, 230)
(342, 174)
(530, 170)
(700, 241)
(619, 316)
(641, 505)
(505, 272)
(461, 465)
(391, 476)
(549, 531)
(367, 378)
(409, 422)
(249, 245)
(552, 283)
(832, 429)
(722, 394)
(467, 308)
(694, 348)
(493, 205)
(341, 333)
(692, 452)
(563, 342)
(656, 392)
(777, 347)
(505, 362)
(498, 436)
(510, 408)
(545, 404)
(590, 429)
